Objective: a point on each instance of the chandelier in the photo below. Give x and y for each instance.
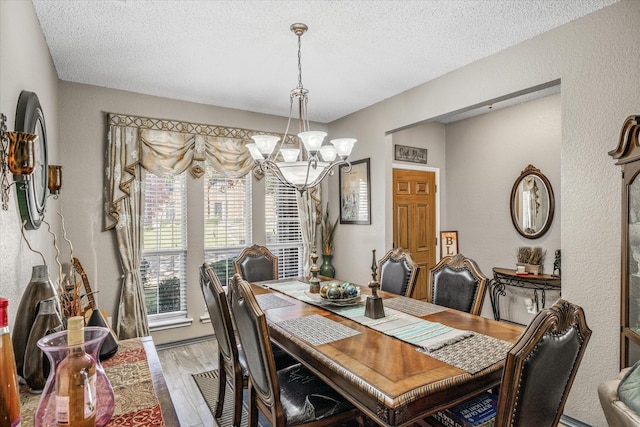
(305, 164)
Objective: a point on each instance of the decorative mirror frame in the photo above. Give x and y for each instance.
(32, 195)
(531, 170)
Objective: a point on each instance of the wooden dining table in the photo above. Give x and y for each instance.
(388, 379)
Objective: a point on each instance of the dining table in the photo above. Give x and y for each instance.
(392, 377)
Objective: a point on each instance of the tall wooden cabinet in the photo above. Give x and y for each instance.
(627, 155)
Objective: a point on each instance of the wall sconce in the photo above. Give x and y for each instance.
(55, 180)
(16, 156)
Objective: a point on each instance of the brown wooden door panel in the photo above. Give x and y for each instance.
(402, 227)
(414, 220)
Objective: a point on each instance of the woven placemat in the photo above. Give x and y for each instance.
(472, 354)
(269, 301)
(316, 329)
(412, 306)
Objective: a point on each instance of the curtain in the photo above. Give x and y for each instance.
(161, 147)
(309, 212)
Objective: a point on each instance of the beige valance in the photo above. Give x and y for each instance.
(169, 147)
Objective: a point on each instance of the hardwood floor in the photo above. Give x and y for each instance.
(178, 364)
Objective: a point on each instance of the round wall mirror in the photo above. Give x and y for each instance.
(32, 194)
(532, 203)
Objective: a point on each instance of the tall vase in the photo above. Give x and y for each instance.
(38, 288)
(56, 348)
(36, 365)
(327, 269)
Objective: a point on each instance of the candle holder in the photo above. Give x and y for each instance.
(314, 282)
(374, 308)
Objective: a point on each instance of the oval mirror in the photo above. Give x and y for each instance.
(532, 203)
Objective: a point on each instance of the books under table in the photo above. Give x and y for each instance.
(477, 412)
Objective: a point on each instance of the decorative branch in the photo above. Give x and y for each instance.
(44, 261)
(55, 245)
(64, 235)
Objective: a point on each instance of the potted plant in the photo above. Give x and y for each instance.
(327, 234)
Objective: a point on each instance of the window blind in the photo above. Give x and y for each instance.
(227, 220)
(164, 245)
(282, 226)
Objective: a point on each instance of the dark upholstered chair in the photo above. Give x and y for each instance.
(457, 282)
(541, 366)
(256, 263)
(397, 273)
(291, 396)
(228, 351)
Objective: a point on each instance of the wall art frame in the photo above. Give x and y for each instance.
(448, 243)
(355, 193)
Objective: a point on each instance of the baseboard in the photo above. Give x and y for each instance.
(184, 342)
(572, 422)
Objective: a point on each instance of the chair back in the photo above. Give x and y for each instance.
(397, 272)
(457, 282)
(220, 316)
(253, 333)
(541, 366)
(256, 263)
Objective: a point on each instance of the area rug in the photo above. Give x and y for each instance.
(207, 382)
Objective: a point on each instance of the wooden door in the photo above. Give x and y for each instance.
(414, 220)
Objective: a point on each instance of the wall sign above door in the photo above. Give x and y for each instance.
(410, 154)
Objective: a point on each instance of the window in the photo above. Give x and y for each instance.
(164, 245)
(227, 220)
(282, 226)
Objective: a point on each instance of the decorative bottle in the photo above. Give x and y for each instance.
(39, 288)
(76, 381)
(9, 400)
(36, 365)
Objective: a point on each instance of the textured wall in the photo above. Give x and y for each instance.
(25, 64)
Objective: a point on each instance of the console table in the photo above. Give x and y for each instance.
(141, 393)
(503, 277)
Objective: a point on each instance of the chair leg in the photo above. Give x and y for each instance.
(222, 388)
(253, 408)
(237, 401)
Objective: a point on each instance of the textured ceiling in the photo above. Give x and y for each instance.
(241, 54)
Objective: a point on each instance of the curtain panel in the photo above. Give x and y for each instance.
(165, 147)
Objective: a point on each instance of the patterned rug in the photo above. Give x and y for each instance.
(207, 382)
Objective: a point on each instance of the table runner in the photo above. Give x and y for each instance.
(466, 350)
(270, 301)
(413, 306)
(316, 329)
(130, 378)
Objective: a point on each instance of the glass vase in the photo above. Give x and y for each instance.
(327, 269)
(56, 348)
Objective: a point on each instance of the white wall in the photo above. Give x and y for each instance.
(25, 64)
(598, 64)
(485, 155)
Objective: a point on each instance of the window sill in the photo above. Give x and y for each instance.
(159, 325)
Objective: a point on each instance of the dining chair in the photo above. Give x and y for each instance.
(397, 272)
(256, 263)
(290, 396)
(231, 359)
(541, 366)
(229, 352)
(457, 282)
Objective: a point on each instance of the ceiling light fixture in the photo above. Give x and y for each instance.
(305, 164)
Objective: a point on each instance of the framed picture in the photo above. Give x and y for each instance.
(448, 243)
(410, 154)
(355, 193)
